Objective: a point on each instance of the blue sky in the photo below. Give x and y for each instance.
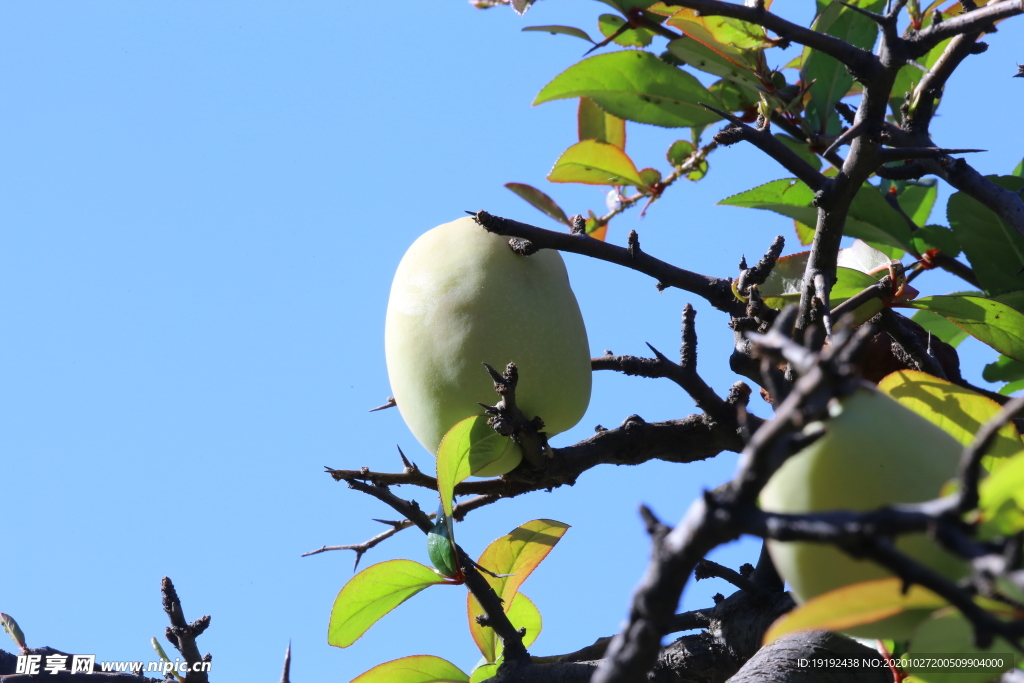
(202, 208)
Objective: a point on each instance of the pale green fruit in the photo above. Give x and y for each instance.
(461, 297)
(874, 453)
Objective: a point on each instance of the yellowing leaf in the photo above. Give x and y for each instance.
(372, 593)
(735, 40)
(468, 447)
(519, 552)
(415, 669)
(957, 410)
(853, 605)
(522, 613)
(593, 162)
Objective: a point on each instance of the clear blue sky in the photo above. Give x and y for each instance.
(201, 207)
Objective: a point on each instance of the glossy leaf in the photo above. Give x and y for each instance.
(949, 632)
(1018, 170)
(521, 612)
(608, 24)
(700, 56)
(959, 411)
(1002, 489)
(854, 605)
(372, 593)
(468, 447)
(564, 30)
(441, 545)
(945, 330)
(831, 79)
(415, 669)
(935, 237)
(636, 86)
(540, 201)
(995, 250)
(870, 219)
(991, 322)
(699, 172)
(592, 162)
(594, 123)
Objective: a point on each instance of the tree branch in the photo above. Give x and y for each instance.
(717, 291)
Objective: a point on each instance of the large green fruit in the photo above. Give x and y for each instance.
(874, 453)
(461, 297)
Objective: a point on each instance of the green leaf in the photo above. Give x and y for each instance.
(957, 410)
(918, 199)
(594, 123)
(1019, 169)
(1003, 370)
(802, 149)
(995, 250)
(991, 322)
(679, 152)
(592, 162)
(513, 557)
(736, 40)
(1002, 496)
(949, 632)
(870, 219)
(636, 86)
(935, 237)
(854, 605)
(909, 76)
(701, 57)
(608, 24)
(699, 172)
(372, 593)
(784, 284)
(522, 613)
(468, 447)
(731, 96)
(483, 672)
(945, 330)
(1011, 388)
(539, 200)
(565, 30)
(441, 545)
(650, 176)
(9, 625)
(415, 669)
(519, 552)
(832, 81)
